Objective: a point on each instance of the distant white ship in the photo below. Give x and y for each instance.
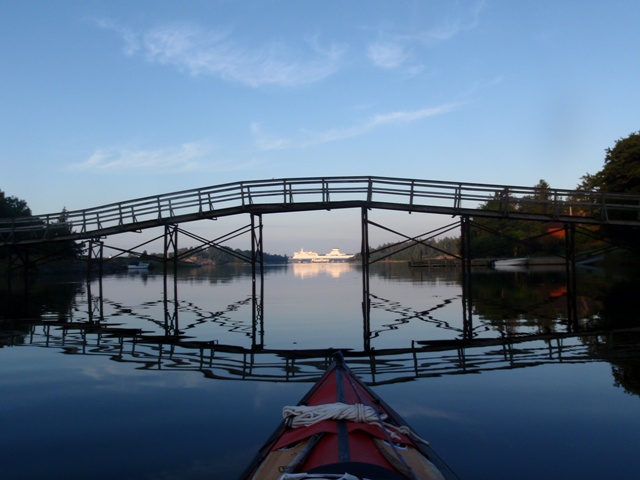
(333, 256)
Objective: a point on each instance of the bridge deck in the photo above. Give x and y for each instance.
(326, 193)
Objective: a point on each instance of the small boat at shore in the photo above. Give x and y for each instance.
(342, 430)
(511, 262)
(136, 265)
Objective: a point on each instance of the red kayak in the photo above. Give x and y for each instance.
(342, 430)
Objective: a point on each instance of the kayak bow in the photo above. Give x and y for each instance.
(342, 430)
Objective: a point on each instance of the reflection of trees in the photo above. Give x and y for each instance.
(40, 299)
(533, 299)
(44, 297)
(397, 270)
(622, 351)
(619, 304)
(513, 302)
(226, 273)
(626, 373)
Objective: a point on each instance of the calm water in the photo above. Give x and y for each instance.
(95, 384)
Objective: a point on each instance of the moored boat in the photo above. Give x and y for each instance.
(342, 430)
(511, 262)
(137, 265)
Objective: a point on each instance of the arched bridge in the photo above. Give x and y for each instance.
(326, 193)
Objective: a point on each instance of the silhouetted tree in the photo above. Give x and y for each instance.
(13, 207)
(621, 171)
(620, 174)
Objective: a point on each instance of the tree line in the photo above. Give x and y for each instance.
(225, 255)
(514, 238)
(12, 207)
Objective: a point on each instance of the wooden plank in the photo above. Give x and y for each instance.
(272, 466)
(412, 461)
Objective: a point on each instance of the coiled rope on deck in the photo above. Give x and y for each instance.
(304, 416)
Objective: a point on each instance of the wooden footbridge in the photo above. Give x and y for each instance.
(325, 193)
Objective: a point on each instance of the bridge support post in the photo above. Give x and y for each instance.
(19, 259)
(465, 253)
(366, 298)
(170, 243)
(95, 304)
(257, 291)
(570, 250)
(95, 250)
(171, 325)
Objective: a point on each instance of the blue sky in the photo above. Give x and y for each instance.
(103, 101)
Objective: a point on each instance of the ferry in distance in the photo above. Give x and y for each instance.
(334, 256)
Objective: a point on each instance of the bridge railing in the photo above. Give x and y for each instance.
(323, 192)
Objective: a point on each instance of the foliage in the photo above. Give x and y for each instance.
(497, 237)
(226, 255)
(620, 174)
(399, 252)
(13, 207)
(406, 251)
(621, 171)
(63, 248)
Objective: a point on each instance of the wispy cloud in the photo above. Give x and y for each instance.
(271, 142)
(389, 54)
(398, 48)
(266, 141)
(219, 53)
(129, 37)
(185, 158)
(380, 120)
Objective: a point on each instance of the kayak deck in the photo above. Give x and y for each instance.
(340, 426)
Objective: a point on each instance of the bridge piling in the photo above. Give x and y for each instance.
(171, 319)
(95, 251)
(465, 251)
(570, 245)
(170, 243)
(95, 303)
(366, 297)
(257, 291)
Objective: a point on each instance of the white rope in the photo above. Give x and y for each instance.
(305, 416)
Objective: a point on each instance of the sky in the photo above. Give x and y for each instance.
(104, 101)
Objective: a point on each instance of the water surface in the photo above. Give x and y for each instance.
(135, 375)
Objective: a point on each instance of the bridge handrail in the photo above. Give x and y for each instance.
(206, 201)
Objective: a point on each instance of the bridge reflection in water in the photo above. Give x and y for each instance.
(165, 344)
(376, 367)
